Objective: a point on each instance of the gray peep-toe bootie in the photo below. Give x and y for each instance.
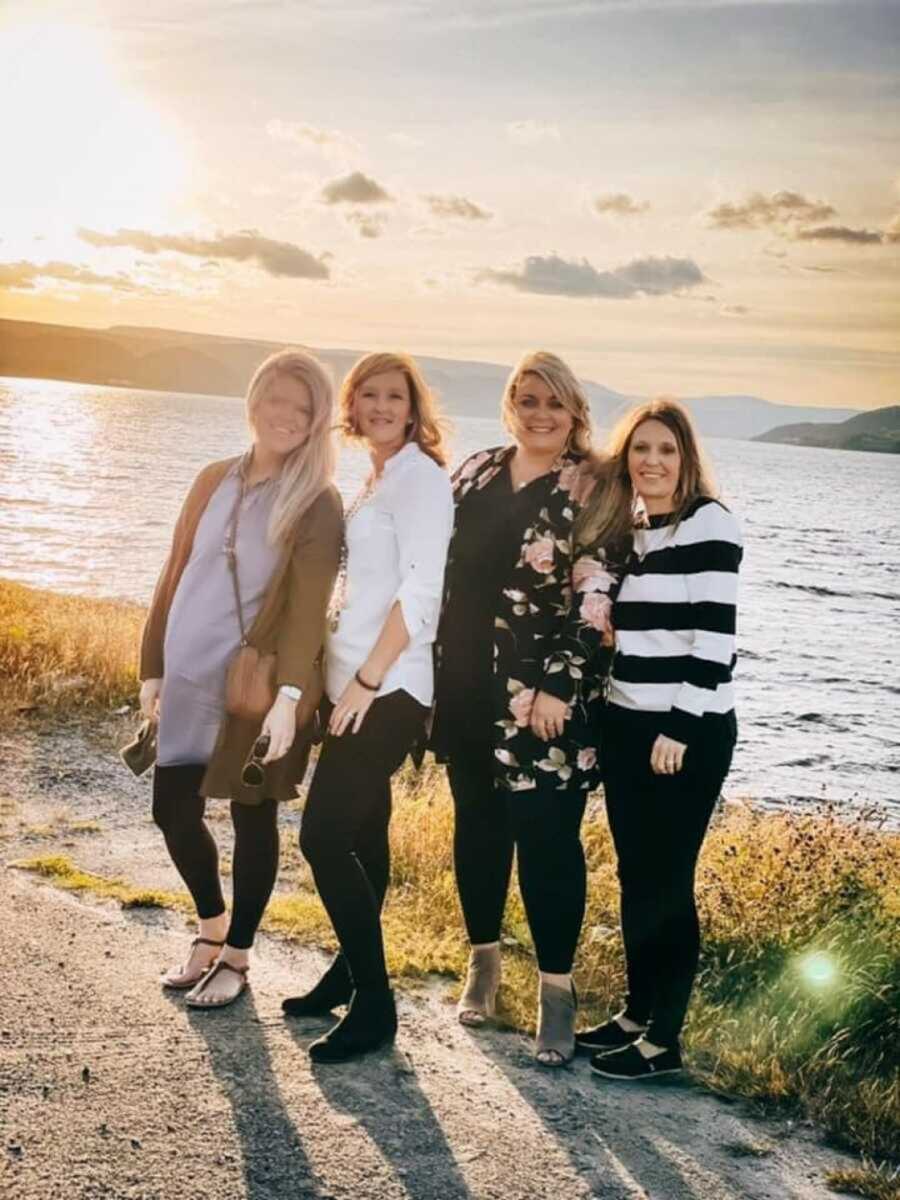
(554, 1045)
(478, 1001)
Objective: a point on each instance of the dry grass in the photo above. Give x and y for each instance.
(871, 1181)
(798, 997)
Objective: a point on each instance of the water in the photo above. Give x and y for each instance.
(91, 479)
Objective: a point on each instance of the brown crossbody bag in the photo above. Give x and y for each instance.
(250, 681)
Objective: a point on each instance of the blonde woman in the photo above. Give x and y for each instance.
(670, 724)
(379, 684)
(521, 658)
(255, 552)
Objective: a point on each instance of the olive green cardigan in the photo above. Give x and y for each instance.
(290, 624)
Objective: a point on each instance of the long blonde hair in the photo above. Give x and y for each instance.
(309, 469)
(428, 425)
(608, 516)
(563, 383)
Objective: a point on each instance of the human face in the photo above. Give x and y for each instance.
(654, 464)
(383, 410)
(283, 416)
(543, 423)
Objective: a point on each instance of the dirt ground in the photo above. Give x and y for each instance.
(111, 1088)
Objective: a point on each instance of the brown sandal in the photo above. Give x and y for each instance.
(186, 984)
(195, 1001)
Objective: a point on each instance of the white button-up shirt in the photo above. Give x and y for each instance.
(396, 552)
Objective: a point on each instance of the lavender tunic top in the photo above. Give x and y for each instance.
(203, 632)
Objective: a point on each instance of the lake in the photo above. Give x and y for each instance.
(91, 479)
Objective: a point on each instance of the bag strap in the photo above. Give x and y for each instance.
(231, 554)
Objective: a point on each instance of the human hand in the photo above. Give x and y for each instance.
(667, 755)
(548, 715)
(280, 726)
(149, 698)
(351, 709)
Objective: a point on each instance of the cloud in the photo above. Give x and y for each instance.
(355, 188)
(331, 142)
(619, 204)
(404, 140)
(778, 210)
(529, 133)
(277, 258)
(456, 208)
(368, 225)
(555, 276)
(840, 233)
(892, 233)
(734, 310)
(24, 275)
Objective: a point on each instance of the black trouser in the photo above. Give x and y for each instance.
(178, 809)
(658, 823)
(344, 833)
(543, 827)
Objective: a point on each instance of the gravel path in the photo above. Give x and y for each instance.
(110, 1088)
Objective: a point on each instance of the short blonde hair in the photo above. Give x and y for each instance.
(428, 424)
(310, 468)
(565, 386)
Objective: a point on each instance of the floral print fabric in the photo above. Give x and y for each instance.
(552, 614)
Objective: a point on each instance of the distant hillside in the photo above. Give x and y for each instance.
(876, 430)
(171, 361)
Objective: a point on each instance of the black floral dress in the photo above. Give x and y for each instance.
(521, 616)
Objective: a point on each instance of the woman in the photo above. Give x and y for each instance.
(255, 551)
(670, 724)
(379, 684)
(516, 716)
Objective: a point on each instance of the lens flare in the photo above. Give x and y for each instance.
(819, 969)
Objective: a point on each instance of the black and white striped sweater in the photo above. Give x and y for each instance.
(675, 619)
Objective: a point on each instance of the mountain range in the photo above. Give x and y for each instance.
(875, 430)
(175, 361)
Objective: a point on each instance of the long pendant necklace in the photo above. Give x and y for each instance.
(339, 591)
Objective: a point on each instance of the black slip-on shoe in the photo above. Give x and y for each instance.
(369, 1023)
(333, 989)
(604, 1038)
(629, 1064)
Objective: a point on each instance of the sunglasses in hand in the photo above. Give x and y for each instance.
(254, 773)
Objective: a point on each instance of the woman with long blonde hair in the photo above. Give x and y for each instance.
(379, 685)
(670, 723)
(253, 560)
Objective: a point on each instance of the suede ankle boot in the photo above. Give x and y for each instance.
(370, 1022)
(333, 989)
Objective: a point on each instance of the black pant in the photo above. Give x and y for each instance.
(543, 826)
(658, 823)
(178, 809)
(344, 834)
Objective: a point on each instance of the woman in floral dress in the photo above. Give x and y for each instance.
(521, 653)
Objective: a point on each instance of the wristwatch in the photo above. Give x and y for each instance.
(292, 693)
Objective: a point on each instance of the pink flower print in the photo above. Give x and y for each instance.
(469, 467)
(587, 758)
(595, 611)
(567, 477)
(591, 575)
(539, 555)
(521, 705)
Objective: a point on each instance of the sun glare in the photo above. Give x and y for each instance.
(78, 145)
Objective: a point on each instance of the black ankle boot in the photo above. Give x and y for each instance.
(370, 1022)
(333, 989)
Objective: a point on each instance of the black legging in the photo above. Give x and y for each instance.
(178, 809)
(344, 833)
(543, 826)
(658, 823)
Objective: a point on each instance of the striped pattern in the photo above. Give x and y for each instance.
(675, 620)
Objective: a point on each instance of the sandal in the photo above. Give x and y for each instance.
(479, 999)
(555, 1042)
(184, 984)
(194, 1000)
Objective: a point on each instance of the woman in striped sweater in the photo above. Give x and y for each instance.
(671, 723)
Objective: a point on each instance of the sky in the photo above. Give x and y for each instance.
(682, 196)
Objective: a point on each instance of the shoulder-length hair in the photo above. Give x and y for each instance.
(609, 513)
(428, 428)
(565, 386)
(309, 469)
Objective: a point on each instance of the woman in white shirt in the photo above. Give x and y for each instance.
(379, 685)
